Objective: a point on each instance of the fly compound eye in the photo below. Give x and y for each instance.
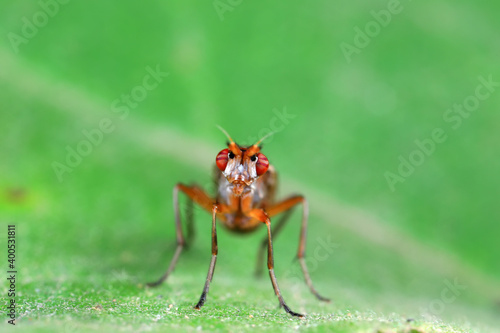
(221, 159)
(262, 164)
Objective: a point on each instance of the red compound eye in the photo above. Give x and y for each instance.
(221, 159)
(262, 164)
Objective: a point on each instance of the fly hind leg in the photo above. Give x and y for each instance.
(285, 207)
(197, 195)
(189, 213)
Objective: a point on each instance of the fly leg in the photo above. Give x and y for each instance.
(211, 268)
(189, 222)
(262, 216)
(277, 228)
(197, 195)
(284, 207)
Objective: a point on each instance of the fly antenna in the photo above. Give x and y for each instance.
(263, 138)
(225, 132)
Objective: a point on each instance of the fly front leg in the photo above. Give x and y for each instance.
(284, 207)
(263, 245)
(197, 195)
(211, 268)
(262, 216)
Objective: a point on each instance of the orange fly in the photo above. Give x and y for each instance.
(246, 185)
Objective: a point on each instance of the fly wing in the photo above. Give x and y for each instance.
(269, 184)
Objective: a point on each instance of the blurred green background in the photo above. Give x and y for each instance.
(94, 233)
